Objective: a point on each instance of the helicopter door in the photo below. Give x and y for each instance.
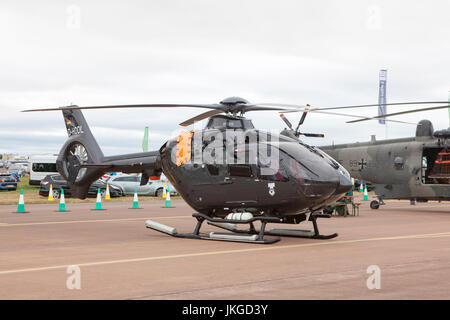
(436, 165)
(238, 183)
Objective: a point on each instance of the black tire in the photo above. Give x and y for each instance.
(159, 192)
(56, 193)
(374, 204)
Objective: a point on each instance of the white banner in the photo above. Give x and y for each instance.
(382, 96)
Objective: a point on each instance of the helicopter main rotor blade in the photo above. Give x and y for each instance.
(307, 107)
(399, 113)
(74, 107)
(289, 124)
(258, 107)
(199, 117)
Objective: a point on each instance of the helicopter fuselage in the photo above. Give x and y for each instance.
(230, 166)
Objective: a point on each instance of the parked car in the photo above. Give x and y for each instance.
(59, 183)
(18, 170)
(128, 183)
(370, 187)
(7, 182)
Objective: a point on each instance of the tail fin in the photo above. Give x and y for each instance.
(81, 161)
(80, 149)
(78, 129)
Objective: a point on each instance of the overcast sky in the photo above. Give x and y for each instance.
(324, 53)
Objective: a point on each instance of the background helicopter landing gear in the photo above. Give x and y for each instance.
(374, 204)
(251, 236)
(310, 234)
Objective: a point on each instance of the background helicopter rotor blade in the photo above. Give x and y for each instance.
(386, 104)
(302, 119)
(304, 108)
(362, 118)
(399, 113)
(289, 124)
(314, 135)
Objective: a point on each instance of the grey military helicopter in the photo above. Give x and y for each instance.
(266, 178)
(415, 168)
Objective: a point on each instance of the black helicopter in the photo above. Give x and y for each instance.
(229, 172)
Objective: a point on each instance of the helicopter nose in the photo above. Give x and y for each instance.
(345, 182)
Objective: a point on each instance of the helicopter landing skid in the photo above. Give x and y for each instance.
(249, 236)
(311, 234)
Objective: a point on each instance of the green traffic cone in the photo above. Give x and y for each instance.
(135, 200)
(98, 203)
(168, 203)
(366, 196)
(21, 206)
(62, 202)
(361, 186)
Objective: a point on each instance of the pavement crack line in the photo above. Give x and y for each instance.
(212, 253)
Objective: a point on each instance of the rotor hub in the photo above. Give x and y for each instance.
(233, 101)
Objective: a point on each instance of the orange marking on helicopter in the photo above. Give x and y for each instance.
(184, 147)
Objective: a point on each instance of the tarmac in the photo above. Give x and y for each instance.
(118, 258)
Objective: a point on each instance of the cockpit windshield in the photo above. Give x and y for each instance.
(228, 122)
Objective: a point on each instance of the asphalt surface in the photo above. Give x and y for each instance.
(120, 259)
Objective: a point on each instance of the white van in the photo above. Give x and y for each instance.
(41, 166)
